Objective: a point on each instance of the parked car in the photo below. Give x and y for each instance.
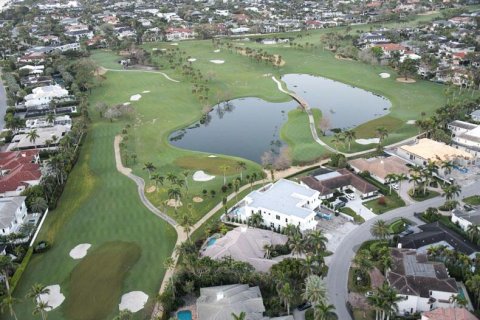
(368, 293)
(395, 186)
(304, 306)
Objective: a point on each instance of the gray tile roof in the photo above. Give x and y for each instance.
(8, 207)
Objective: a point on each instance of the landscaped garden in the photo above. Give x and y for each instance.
(398, 226)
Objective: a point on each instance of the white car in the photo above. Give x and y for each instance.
(395, 186)
(350, 196)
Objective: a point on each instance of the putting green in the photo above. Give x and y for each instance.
(96, 282)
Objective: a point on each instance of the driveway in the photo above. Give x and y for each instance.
(299, 315)
(339, 263)
(357, 206)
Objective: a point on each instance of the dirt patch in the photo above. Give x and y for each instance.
(406, 80)
(174, 203)
(343, 58)
(100, 71)
(151, 189)
(282, 62)
(197, 199)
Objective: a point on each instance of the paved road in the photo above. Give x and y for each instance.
(337, 278)
(3, 104)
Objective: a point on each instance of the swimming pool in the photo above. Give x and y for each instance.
(211, 241)
(184, 315)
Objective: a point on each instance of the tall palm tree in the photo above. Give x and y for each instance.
(224, 169)
(315, 291)
(416, 179)
(150, 168)
(186, 174)
(390, 300)
(41, 308)
(324, 311)
(401, 177)
(32, 136)
(447, 167)
(175, 194)
(452, 191)
(380, 230)
(158, 179)
(337, 139)
(297, 245)
(7, 304)
(316, 241)
(382, 133)
(187, 224)
(286, 294)
(473, 232)
(349, 135)
(241, 166)
(171, 177)
(36, 291)
(391, 178)
(256, 220)
(38, 204)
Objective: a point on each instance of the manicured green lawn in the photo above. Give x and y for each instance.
(420, 196)
(391, 202)
(99, 206)
(357, 218)
(398, 226)
(473, 200)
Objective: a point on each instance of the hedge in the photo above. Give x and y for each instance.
(21, 268)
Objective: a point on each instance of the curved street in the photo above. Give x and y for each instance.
(337, 278)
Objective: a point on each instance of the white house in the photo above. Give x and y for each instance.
(41, 96)
(423, 285)
(13, 212)
(282, 203)
(466, 135)
(466, 219)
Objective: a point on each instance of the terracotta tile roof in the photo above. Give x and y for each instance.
(392, 47)
(448, 314)
(18, 168)
(380, 167)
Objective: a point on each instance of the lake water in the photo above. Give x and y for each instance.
(345, 106)
(249, 127)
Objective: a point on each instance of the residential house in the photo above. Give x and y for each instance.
(326, 182)
(64, 120)
(380, 167)
(42, 96)
(78, 31)
(219, 303)
(466, 218)
(390, 48)
(47, 138)
(448, 314)
(18, 171)
(422, 284)
(434, 234)
(466, 136)
(13, 212)
(424, 150)
(177, 34)
(280, 204)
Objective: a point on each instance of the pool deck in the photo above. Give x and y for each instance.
(192, 308)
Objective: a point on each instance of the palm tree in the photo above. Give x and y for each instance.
(316, 241)
(380, 230)
(452, 191)
(185, 175)
(41, 308)
(224, 169)
(337, 139)
(50, 118)
(150, 168)
(324, 311)
(416, 179)
(171, 178)
(400, 178)
(175, 194)
(32, 137)
(157, 178)
(447, 167)
(187, 224)
(38, 204)
(36, 291)
(382, 134)
(391, 178)
(241, 166)
(363, 260)
(349, 135)
(473, 232)
(236, 184)
(124, 315)
(297, 245)
(390, 300)
(473, 284)
(241, 316)
(315, 291)
(285, 293)
(255, 220)
(7, 303)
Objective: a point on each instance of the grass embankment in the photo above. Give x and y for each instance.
(473, 200)
(357, 218)
(99, 206)
(398, 226)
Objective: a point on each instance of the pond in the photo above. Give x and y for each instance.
(249, 127)
(244, 127)
(343, 105)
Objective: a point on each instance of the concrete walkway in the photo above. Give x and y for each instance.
(146, 71)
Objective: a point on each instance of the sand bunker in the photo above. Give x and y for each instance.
(216, 51)
(135, 97)
(191, 60)
(151, 189)
(126, 104)
(408, 80)
(212, 156)
(411, 121)
(174, 203)
(217, 61)
(54, 298)
(133, 301)
(384, 75)
(202, 176)
(197, 199)
(368, 141)
(146, 91)
(80, 251)
(174, 44)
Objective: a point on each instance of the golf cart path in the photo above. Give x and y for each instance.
(146, 71)
(313, 130)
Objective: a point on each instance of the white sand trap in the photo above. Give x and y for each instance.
(80, 251)
(217, 61)
(146, 91)
(126, 104)
(133, 301)
(202, 176)
(191, 59)
(212, 156)
(411, 121)
(163, 49)
(384, 75)
(135, 97)
(367, 141)
(54, 298)
(216, 51)
(174, 203)
(174, 44)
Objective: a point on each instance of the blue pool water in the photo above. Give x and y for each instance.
(184, 315)
(211, 241)
(460, 292)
